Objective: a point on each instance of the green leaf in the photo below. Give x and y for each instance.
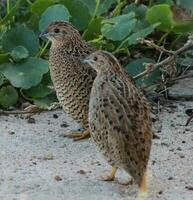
(4, 58)
(1, 79)
(19, 53)
(46, 102)
(39, 6)
(171, 18)
(53, 13)
(161, 14)
(94, 29)
(8, 96)
(139, 10)
(80, 15)
(103, 7)
(117, 28)
(42, 89)
(20, 36)
(134, 38)
(26, 74)
(137, 66)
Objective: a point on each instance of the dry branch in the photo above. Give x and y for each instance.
(150, 66)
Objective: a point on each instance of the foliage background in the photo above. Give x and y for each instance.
(113, 25)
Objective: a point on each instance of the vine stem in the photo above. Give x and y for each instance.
(93, 16)
(8, 6)
(150, 67)
(44, 48)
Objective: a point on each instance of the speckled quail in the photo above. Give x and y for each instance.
(119, 118)
(71, 78)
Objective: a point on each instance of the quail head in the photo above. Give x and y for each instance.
(119, 119)
(71, 78)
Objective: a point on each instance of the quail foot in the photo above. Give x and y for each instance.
(71, 78)
(119, 119)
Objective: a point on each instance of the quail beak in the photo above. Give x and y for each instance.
(87, 61)
(44, 35)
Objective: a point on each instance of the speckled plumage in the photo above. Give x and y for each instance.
(119, 117)
(71, 78)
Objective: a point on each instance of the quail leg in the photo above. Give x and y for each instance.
(78, 135)
(143, 189)
(110, 176)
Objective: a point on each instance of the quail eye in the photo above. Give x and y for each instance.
(95, 58)
(56, 30)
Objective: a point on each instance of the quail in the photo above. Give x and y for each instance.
(72, 79)
(119, 119)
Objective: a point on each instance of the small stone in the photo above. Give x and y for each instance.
(48, 157)
(81, 172)
(64, 125)
(160, 192)
(31, 120)
(189, 188)
(11, 133)
(153, 162)
(179, 149)
(170, 178)
(57, 178)
(156, 136)
(55, 116)
(189, 112)
(182, 89)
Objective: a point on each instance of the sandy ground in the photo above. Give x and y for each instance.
(38, 163)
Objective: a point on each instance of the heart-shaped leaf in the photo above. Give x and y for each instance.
(93, 29)
(26, 74)
(39, 6)
(103, 6)
(46, 102)
(160, 14)
(171, 18)
(117, 28)
(19, 53)
(20, 36)
(137, 66)
(53, 13)
(134, 38)
(8, 96)
(80, 15)
(42, 89)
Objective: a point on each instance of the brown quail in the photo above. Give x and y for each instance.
(71, 78)
(119, 118)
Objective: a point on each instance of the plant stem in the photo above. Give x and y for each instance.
(93, 16)
(43, 49)
(150, 67)
(150, 3)
(118, 8)
(163, 37)
(24, 96)
(174, 42)
(8, 6)
(29, 2)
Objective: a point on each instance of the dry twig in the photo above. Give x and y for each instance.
(150, 66)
